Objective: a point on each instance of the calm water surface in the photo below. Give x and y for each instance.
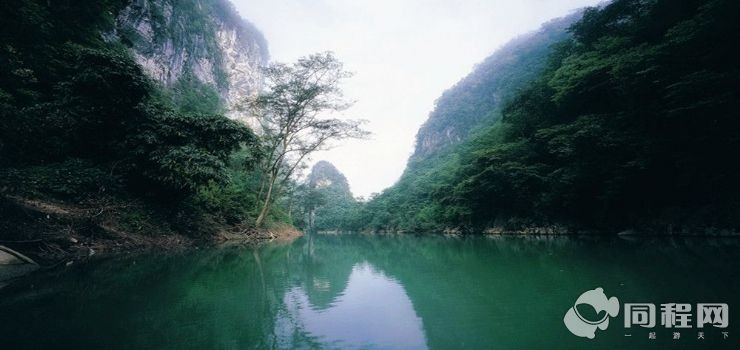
(372, 292)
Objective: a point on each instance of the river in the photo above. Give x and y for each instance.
(375, 292)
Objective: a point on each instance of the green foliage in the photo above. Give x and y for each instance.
(620, 132)
(71, 179)
(78, 117)
(628, 125)
(293, 112)
(184, 151)
(80, 111)
(463, 113)
(188, 25)
(476, 100)
(235, 201)
(190, 95)
(325, 202)
(333, 210)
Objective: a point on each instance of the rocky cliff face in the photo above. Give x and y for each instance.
(201, 39)
(325, 175)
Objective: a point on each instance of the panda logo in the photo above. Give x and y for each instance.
(583, 327)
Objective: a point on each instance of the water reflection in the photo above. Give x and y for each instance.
(366, 292)
(372, 312)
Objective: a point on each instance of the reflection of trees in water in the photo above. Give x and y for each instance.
(465, 288)
(461, 288)
(197, 299)
(322, 270)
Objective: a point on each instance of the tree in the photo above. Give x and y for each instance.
(309, 199)
(174, 152)
(294, 112)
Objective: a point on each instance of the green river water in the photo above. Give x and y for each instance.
(375, 292)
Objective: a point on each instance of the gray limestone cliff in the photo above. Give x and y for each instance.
(324, 174)
(201, 40)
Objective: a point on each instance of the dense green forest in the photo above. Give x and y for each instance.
(616, 117)
(476, 100)
(630, 124)
(112, 121)
(91, 145)
(324, 201)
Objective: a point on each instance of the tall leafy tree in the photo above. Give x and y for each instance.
(296, 112)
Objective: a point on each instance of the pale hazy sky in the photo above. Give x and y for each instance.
(404, 54)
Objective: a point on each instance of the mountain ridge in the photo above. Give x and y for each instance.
(475, 100)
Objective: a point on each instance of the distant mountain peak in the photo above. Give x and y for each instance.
(325, 174)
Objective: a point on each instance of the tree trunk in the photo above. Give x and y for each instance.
(266, 205)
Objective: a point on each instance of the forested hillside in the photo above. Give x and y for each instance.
(91, 144)
(632, 124)
(464, 111)
(476, 100)
(324, 202)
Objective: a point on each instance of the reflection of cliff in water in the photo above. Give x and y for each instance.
(341, 290)
(373, 311)
(468, 291)
(322, 270)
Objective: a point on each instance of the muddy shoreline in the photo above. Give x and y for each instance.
(73, 247)
(57, 232)
(52, 255)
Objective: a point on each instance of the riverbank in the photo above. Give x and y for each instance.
(648, 231)
(53, 232)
